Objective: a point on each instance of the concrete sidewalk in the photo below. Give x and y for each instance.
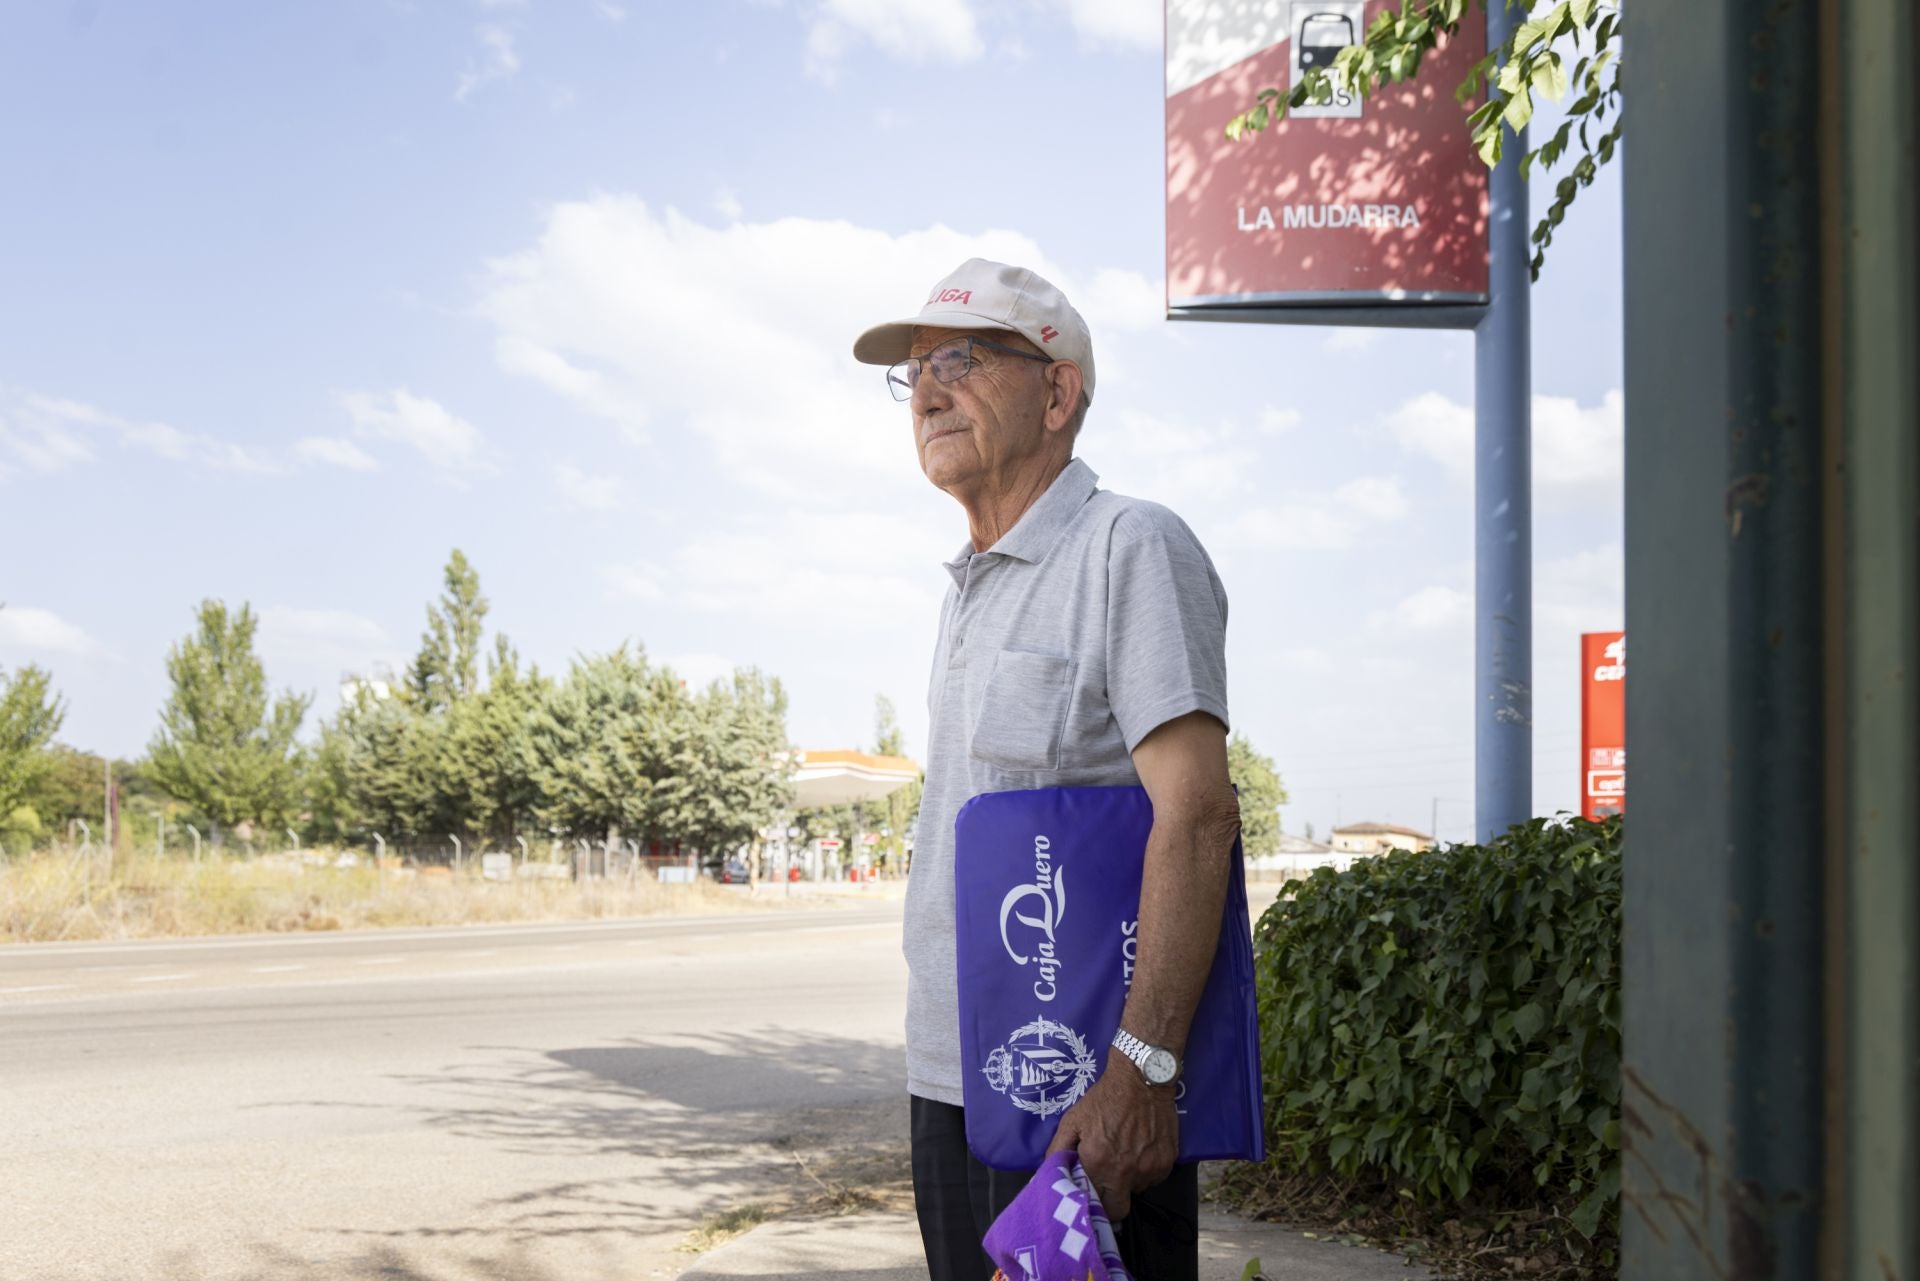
(886, 1247)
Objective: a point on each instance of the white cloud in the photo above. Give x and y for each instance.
(1575, 446)
(1351, 338)
(610, 11)
(424, 424)
(330, 636)
(700, 670)
(1179, 464)
(588, 492)
(1430, 609)
(334, 451)
(912, 30)
(41, 631)
(48, 433)
(1316, 522)
(1274, 420)
(785, 571)
(1139, 23)
(727, 204)
(496, 60)
(1379, 497)
(741, 332)
(1125, 301)
(1572, 446)
(1438, 427)
(633, 582)
(1584, 592)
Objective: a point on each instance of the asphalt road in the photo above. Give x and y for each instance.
(550, 1101)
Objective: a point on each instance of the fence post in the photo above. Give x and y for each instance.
(456, 852)
(196, 840)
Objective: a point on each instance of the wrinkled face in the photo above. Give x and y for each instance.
(976, 433)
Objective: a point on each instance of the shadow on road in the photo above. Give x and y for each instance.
(695, 1127)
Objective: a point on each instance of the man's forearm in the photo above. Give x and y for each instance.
(1183, 888)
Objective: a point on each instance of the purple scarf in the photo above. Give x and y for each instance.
(1055, 1230)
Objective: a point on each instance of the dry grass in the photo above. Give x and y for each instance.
(54, 894)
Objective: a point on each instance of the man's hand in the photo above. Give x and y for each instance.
(1126, 1132)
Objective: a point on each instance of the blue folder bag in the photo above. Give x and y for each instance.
(1048, 899)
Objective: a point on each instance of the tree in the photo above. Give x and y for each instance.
(480, 775)
(1527, 65)
(447, 669)
(30, 715)
(902, 806)
(596, 745)
(221, 747)
(729, 775)
(370, 771)
(1261, 796)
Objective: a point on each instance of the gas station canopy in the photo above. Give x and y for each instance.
(847, 778)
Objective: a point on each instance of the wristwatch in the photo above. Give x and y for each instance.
(1159, 1066)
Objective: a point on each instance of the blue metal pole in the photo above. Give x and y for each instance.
(1503, 498)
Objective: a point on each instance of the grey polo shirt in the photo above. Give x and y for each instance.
(1092, 622)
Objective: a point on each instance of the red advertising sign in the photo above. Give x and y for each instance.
(1361, 202)
(1603, 723)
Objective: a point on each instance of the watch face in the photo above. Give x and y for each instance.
(1160, 1067)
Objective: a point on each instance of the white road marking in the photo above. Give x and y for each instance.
(160, 978)
(276, 969)
(413, 934)
(380, 960)
(37, 987)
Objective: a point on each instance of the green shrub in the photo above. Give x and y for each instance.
(1450, 1021)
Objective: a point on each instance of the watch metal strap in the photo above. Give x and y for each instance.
(1132, 1046)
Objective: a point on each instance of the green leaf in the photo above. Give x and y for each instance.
(1528, 1020)
(1550, 77)
(1518, 111)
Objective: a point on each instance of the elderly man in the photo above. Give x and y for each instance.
(1082, 643)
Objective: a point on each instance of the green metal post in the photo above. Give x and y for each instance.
(1723, 1002)
(1874, 418)
(1771, 1077)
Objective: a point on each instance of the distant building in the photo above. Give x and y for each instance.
(1366, 839)
(1297, 856)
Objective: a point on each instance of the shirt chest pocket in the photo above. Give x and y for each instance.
(1023, 711)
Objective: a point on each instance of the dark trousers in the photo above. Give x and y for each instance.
(958, 1198)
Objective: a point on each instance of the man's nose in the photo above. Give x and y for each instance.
(929, 395)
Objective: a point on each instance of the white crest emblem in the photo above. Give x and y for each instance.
(1043, 1068)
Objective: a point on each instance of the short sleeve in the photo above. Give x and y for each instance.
(1166, 628)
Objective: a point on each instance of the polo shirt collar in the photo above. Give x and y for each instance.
(1041, 526)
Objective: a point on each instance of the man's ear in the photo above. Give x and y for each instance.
(1064, 384)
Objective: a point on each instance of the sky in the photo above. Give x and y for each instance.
(300, 297)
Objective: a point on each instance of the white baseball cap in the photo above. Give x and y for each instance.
(979, 294)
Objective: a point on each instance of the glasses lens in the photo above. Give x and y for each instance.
(901, 377)
(951, 360)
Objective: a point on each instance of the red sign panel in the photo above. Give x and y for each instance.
(1375, 201)
(1603, 724)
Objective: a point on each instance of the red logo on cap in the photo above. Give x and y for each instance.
(1048, 333)
(950, 295)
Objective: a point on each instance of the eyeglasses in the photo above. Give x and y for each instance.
(950, 361)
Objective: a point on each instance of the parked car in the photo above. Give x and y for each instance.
(733, 872)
